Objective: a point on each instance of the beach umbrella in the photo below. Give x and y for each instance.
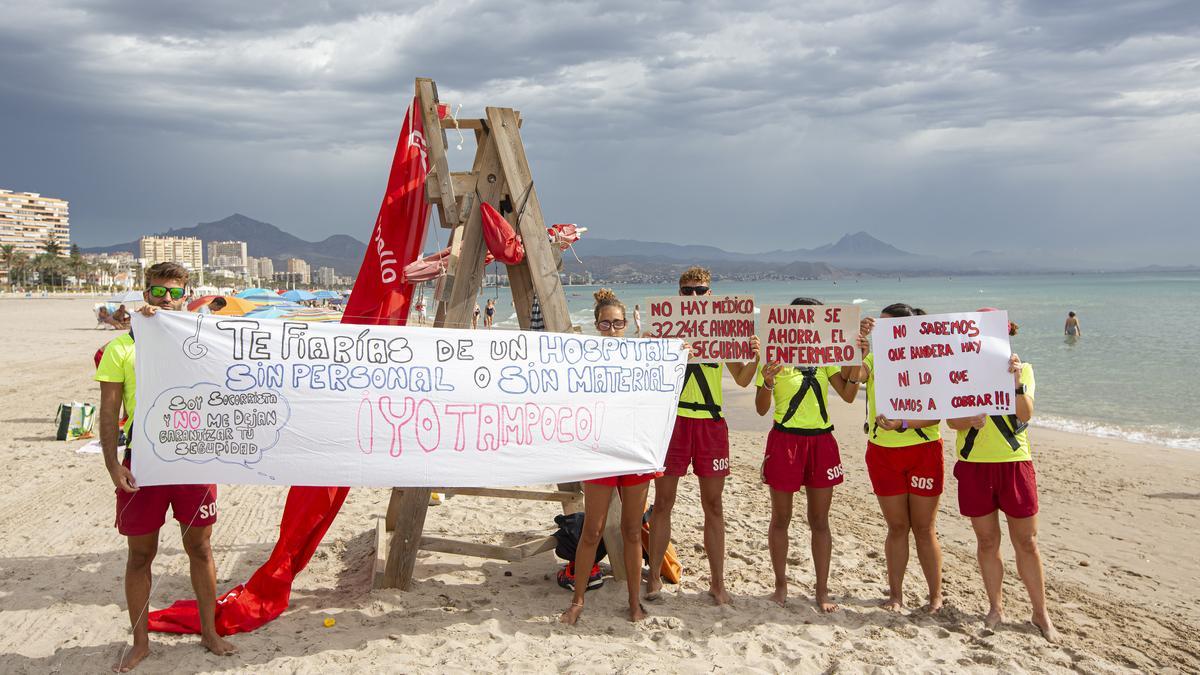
(256, 293)
(200, 302)
(299, 295)
(327, 295)
(269, 312)
(127, 296)
(235, 306)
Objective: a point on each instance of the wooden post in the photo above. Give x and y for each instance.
(406, 538)
(540, 256)
(613, 542)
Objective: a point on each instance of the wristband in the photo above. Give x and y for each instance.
(769, 387)
(1021, 390)
(903, 425)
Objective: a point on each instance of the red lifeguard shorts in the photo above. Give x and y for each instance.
(915, 469)
(984, 487)
(145, 511)
(701, 443)
(628, 480)
(794, 461)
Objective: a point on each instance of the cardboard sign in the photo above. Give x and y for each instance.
(718, 328)
(943, 366)
(809, 335)
(237, 400)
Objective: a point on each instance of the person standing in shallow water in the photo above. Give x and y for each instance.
(1071, 328)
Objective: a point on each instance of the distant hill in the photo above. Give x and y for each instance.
(263, 240)
(852, 250)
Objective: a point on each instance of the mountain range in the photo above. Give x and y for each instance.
(621, 259)
(859, 248)
(264, 240)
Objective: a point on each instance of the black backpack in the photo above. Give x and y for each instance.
(570, 526)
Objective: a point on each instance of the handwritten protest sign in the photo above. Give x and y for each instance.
(943, 366)
(809, 335)
(718, 328)
(237, 400)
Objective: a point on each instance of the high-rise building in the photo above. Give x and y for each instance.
(326, 277)
(187, 251)
(228, 255)
(28, 220)
(261, 268)
(298, 269)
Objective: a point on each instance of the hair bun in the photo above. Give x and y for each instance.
(605, 295)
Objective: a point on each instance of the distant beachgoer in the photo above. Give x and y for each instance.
(801, 452)
(121, 316)
(1071, 328)
(489, 318)
(610, 322)
(142, 511)
(217, 304)
(637, 319)
(995, 473)
(103, 318)
(475, 317)
(904, 462)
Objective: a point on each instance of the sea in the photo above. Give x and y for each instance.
(1131, 375)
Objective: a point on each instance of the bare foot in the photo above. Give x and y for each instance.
(1048, 630)
(637, 612)
(654, 589)
(570, 616)
(720, 596)
(994, 618)
(934, 605)
(825, 604)
(893, 604)
(218, 645)
(130, 657)
(779, 597)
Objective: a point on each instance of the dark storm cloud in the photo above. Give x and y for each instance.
(1041, 120)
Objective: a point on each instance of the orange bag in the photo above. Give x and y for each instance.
(672, 571)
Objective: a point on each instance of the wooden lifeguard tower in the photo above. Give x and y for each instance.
(501, 177)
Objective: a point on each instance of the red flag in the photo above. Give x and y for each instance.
(380, 296)
(381, 293)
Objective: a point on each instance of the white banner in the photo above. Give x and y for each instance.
(943, 366)
(236, 400)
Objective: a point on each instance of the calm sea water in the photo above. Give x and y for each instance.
(1132, 374)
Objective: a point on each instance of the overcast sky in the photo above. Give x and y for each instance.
(1065, 126)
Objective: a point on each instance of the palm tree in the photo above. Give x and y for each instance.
(19, 267)
(7, 251)
(78, 266)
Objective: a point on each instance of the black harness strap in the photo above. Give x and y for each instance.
(709, 405)
(919, 432)
(810, 382)
(1009, 433)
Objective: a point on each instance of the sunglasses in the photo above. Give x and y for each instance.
(693, 290)
(618, 324)
(160, 291)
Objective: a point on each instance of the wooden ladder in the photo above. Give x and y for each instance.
(500, 175)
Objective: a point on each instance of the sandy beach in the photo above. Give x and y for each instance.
(1120, 535)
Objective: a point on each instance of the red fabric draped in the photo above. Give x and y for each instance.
(380, 296)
